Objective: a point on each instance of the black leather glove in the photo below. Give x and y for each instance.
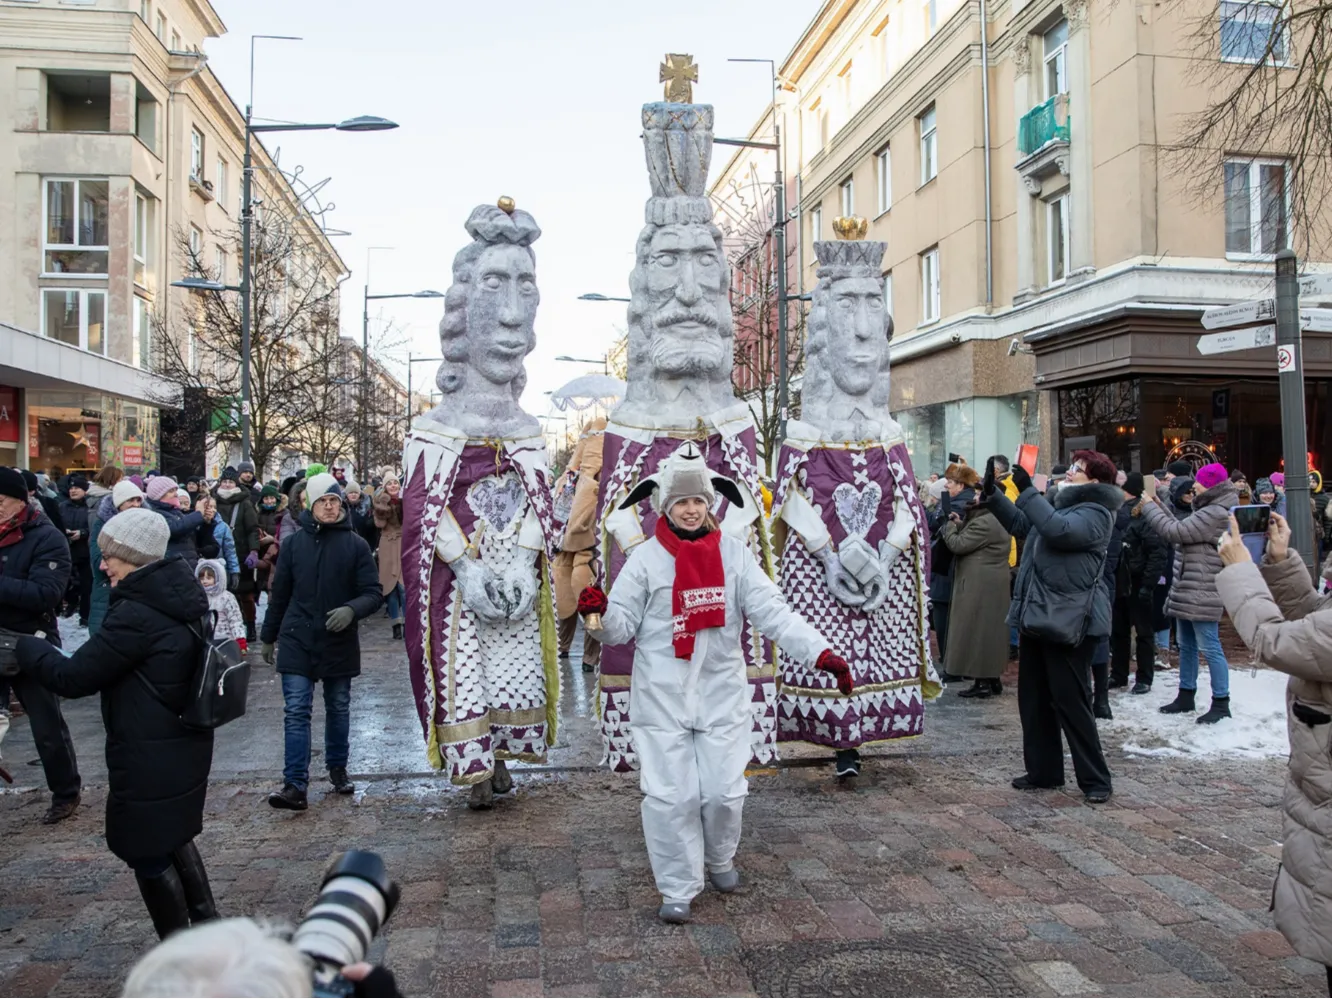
(987, 483)
(1021, 478)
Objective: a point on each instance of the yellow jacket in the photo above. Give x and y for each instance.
(1011, 491)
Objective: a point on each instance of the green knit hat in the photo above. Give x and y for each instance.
(269, 490)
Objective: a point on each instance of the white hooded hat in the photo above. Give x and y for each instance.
(684, 475)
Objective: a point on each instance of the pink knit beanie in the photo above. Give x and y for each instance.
(160, 486)
(1211, 475)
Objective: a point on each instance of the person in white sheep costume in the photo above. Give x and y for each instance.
(683, 596)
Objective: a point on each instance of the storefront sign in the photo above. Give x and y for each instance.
(131, 454)
(1195, 452)
(1285, 359)
(9, 415)
(1256, 311)
(1245, 339)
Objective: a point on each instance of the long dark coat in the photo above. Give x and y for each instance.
(240, 515)
(319, 568)
(157, 768)
(978, 631)
(34, 571)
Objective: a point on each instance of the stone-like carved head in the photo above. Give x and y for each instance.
(488, 325)
(846, 379)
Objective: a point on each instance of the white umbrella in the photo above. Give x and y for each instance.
(586, 391)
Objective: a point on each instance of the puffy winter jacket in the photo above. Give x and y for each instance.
(319, 568)
(157, 768)
(1147, 553)
(1066, 545)
(182, 527)
(34, 571)
(1289, 627)
(1193, 595)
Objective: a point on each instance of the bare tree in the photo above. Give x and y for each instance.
(294, 342)
(746, 217)
(1267, 67)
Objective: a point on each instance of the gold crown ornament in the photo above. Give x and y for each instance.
(506, 204)
(850, 227)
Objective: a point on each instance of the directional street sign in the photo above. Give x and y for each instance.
(1316, 320)
(1246, 339)
(1316, 286)
(1243, 312)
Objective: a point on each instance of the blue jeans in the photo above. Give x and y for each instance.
(394, 600)
(1205, 635)
(298, 693)
(1163, 639)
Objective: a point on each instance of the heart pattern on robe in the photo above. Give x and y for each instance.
(497, 501)
(857, 508)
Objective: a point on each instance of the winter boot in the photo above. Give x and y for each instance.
(1181, 705)
(1220, 709)
(673, 912)
(342, 784)
(291, 798)
(397, 630)
(501, 780)
(996, 686)
(1101, 690)
(250, 635)
(483, 796)
(164, 896)
(194, 879)
(847, 763)
(978, 688)
(725, 881)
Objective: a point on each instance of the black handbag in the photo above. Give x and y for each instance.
(1058, 617)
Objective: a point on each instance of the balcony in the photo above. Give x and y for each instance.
(1042, 141)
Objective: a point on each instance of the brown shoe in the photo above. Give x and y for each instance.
(60, 812)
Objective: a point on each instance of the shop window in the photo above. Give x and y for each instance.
(1257, 196)
(75, 236)
(75, 317)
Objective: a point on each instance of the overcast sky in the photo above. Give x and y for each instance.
(537, 99)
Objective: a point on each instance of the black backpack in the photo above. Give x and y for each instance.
(220, 683)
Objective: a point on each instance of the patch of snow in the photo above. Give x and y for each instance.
(1257, 728)
(71, 635)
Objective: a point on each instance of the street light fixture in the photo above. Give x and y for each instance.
(595, 296)
(410, 361)
(363, 458)
(204, 284)
(603, 360)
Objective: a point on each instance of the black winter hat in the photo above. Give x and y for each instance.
(78, 482)
(12, 483)
(29, 478)
(1133, 484)
(1180, 468)
(228, 473)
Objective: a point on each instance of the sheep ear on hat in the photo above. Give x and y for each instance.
(725, 487)
(645, 488)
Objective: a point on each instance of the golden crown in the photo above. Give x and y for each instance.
(850, 227)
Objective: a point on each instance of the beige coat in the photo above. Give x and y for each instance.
(388, 518)
(1289, 627)
(581, 532)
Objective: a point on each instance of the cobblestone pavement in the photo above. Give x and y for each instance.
(928, 875)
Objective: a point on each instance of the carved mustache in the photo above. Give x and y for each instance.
(675, 316)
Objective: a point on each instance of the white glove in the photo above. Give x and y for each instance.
(841, 584)
(481, 591)
(519, 589)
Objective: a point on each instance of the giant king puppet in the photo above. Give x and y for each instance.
(679, 390)
(848, 522)
(477, 525)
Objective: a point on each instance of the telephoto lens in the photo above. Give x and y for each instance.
(355, 900)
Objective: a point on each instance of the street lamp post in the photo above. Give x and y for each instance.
(363, 458)
(410, 361)
(603, 360)
(596, 296)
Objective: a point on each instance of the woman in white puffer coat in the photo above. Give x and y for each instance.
(1288, 625)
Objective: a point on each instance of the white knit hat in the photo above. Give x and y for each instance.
(684, 475)
(321, 485)
(136, 536)
(124, 491)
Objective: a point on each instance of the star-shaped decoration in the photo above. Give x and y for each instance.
(81, 439)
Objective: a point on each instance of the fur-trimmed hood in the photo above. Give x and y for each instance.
(1109, 496)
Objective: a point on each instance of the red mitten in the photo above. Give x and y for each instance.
(244, 645)
(830, 662)
(592, 601)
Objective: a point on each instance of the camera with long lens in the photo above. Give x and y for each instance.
(355, 901)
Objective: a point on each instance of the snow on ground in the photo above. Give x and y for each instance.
(1257, 728)
(71, 635)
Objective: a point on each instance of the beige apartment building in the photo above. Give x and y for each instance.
(1021, 178)
(118, 147)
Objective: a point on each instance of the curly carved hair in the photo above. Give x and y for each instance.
(818, 382)
(488, 226)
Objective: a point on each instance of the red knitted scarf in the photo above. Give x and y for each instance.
(698, 599)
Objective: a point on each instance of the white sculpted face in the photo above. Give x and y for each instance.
(501, 313)
(685, 312)
(857, 333)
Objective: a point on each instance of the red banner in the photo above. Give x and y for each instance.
(131, 454)
(34, 445)
(9, 415)
(93, 449)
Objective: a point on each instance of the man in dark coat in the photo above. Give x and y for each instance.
(142, 660)
(236, 506)
(1146, 560)
(74, 514)
(1061, 605)
(325, 581)
(50, 504)
(245, 478)
(34, 571)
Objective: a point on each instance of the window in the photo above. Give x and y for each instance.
(847, 192)
(161, 27)
(143, 238)
(929, 285)
(196, 249)
(1257, 196)
(844, 87)
(76, 227)
(75, 317)
(1056, 60)
(143, 332)
(888, 293)
(1056, 239)
(929, 149)
(883, 178)
(1249, 28)
(823, 128)
(220, 258)
(144, 8)
(192, 349)
(816, 222)
(196, 156)
(883, 44)
(175, 41)
(220, 183)
(931, 8)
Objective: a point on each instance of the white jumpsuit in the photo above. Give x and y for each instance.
(691, 720)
